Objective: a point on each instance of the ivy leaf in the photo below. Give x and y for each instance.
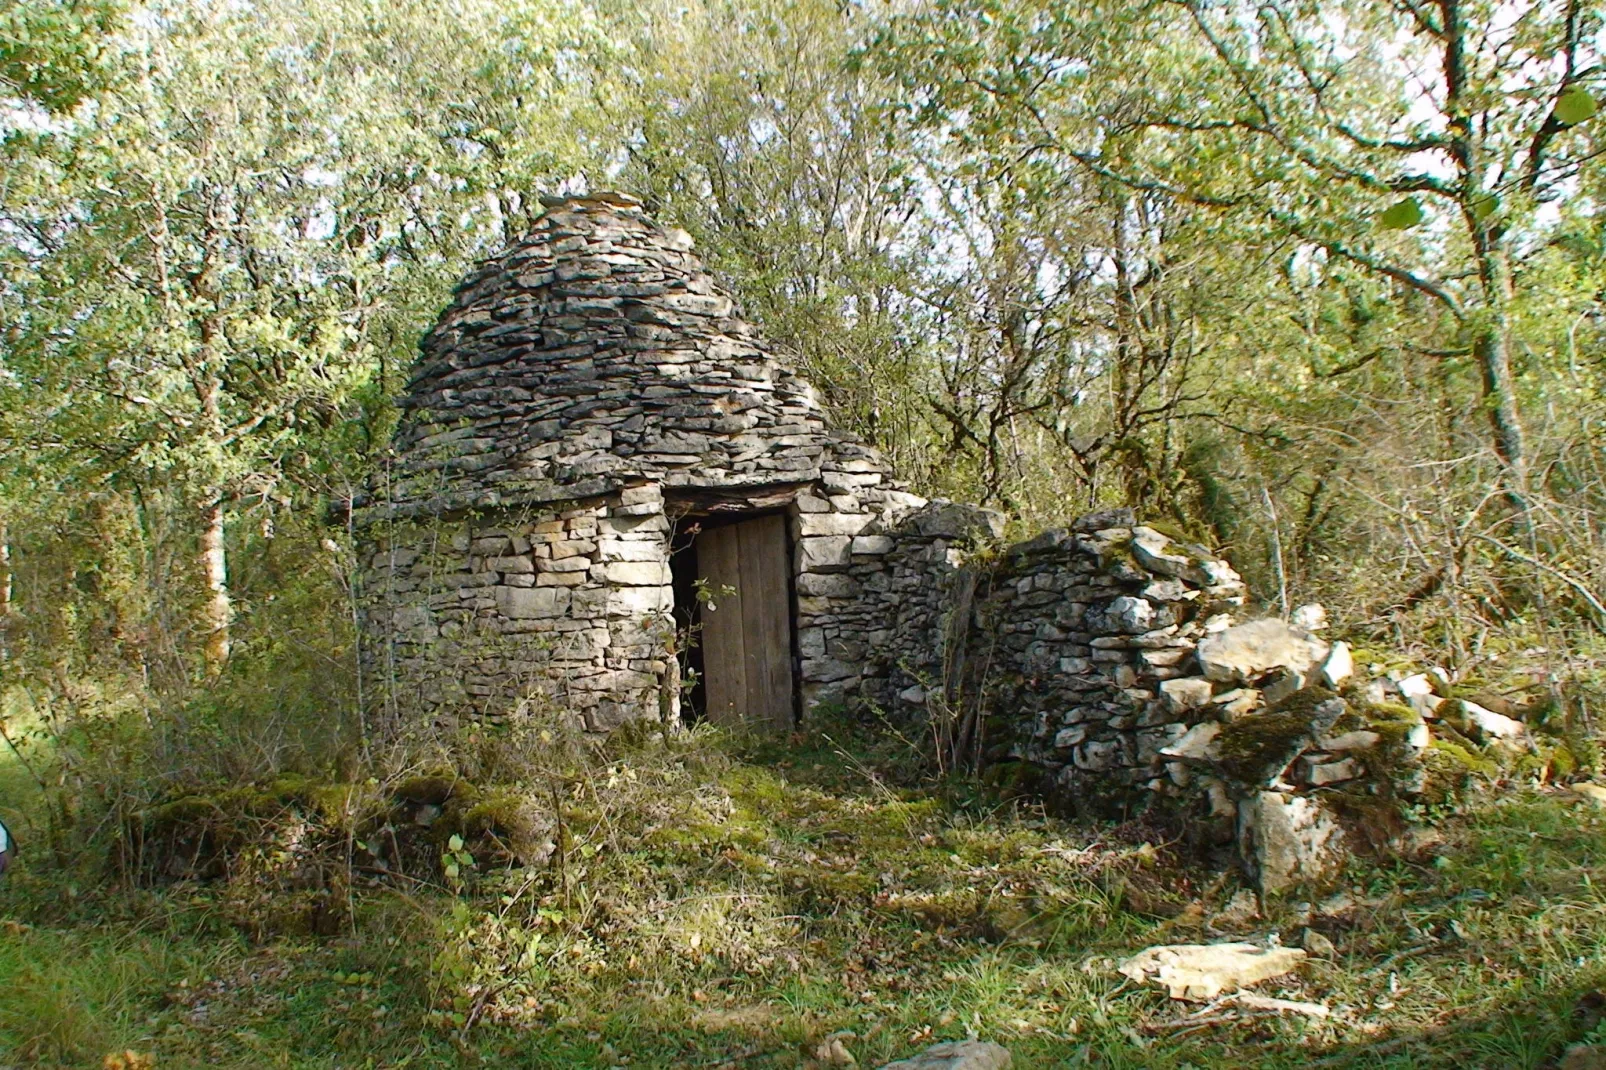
(1401, 215)
(455, 843)
(452, 871)
(1575, 106)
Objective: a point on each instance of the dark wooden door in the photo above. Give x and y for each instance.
(747, 636)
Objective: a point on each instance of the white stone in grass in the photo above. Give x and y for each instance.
(1339, 666)
(1492, 725)
(1200, 972)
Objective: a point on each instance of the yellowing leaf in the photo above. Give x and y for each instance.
(455, 843)
(1575, 106)
(1401, 215)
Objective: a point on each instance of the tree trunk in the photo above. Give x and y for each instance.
(5, 575)
(218, 611)
(1491, 344)
(1492, 348)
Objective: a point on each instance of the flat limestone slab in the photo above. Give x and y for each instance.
(957, 1055)
(1204, 971)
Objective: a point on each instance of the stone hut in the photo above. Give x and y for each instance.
(610, 491)
(598, 460)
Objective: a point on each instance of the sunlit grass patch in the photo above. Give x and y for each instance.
(70, 996)
(706, 912)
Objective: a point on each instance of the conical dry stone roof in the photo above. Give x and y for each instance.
(598, 352)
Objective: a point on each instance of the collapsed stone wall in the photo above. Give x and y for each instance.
(1085, 630)
(1059, 649)
(1103, 664)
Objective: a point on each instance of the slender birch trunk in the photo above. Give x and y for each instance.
(5, 572)
(218, 612)
(5, 586)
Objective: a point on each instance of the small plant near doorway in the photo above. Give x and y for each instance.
(681, 675)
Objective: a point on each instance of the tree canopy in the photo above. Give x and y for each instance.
(1317, 282)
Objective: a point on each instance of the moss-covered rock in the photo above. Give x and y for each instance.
(1452, 768)
(514, 822)
(1255, 749)
(432, 789)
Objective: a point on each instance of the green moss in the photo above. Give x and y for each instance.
(499, 813)
(1391, 712)
(1452, 769)
(1256, 748)
(327, 803)
(434, 789)
(1177, 533)
(512, 821)
(1392, 760)
(190, 810)
(344, 806)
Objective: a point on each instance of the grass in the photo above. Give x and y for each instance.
(735, 909)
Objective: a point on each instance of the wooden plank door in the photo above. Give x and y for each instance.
(747, 636)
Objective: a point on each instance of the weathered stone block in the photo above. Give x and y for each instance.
(638, 601)
(824, 553)
(1241, 653)
(1288, 840)
(873, 544)
(638, 573)
(832, 523)
(566, 564)
(511, 565)
(1187, 693)
(833, 585)
(630, 550)
(520, 603)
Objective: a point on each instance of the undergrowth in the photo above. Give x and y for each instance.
(703, 907)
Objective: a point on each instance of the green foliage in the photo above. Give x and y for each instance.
(54, 53)
(1402, 215)
(1576, 106)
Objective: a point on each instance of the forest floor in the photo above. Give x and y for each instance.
(796, 898)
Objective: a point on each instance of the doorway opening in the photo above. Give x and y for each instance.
(732, 579)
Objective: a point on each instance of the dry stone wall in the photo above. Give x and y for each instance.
(1069, 651)
(480, 614)
(1088, 628)
(1104, 662)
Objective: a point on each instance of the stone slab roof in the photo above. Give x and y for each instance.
(593, 353)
